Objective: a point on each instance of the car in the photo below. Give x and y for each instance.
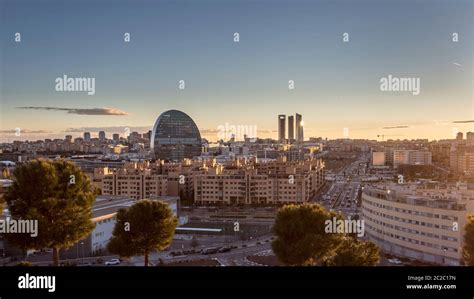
(112, 262)
(395, 261)
(210, 250)
(225, 249)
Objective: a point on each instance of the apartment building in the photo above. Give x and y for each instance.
(238, 181)
(462, 158)
(270, 182)
(419, 221)
(411, 157)
(378, 158)
(139, 180)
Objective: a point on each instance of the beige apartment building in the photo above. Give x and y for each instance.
(419, 221)
(136, 185)
(411, 157)
(240, 181)
(274, 182)
(462, 158)
(139, 180)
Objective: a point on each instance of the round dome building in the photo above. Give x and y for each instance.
(175, 136)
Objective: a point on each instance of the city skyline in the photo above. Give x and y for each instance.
(212, 135)
(336, 84)
(263, 136)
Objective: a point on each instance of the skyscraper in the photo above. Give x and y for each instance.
(281, 127)
(87, 136)
(291, 128)
(116, 137)
(470, 136)
(299, 128)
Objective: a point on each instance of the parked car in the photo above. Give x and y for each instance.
(112, 262)
(225, 249)
(211, 250)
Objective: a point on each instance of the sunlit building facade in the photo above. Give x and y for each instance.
(419, 221)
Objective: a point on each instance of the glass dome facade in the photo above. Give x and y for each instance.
(175, 136)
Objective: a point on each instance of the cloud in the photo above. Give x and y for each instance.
(82, 111)
(396, 127)
(215, 131)
(266, 131)
(117, 129)
(209, 131)
(463, 121)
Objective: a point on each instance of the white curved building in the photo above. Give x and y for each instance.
(175, 137)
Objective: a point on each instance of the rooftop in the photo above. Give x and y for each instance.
(110, 204)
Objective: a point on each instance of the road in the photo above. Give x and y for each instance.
(344, 194)
(236, 257)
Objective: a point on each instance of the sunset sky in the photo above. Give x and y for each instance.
(337, 85)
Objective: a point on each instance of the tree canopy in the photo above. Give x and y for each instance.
(468, 250)
(302, 239)
(353, 252)
(58, 195)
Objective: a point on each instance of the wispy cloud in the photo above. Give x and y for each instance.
(396, 127)
(117, 129)
(266, 131)
(25, 131)
(81, 111)
(209, 131)
(215, 131)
